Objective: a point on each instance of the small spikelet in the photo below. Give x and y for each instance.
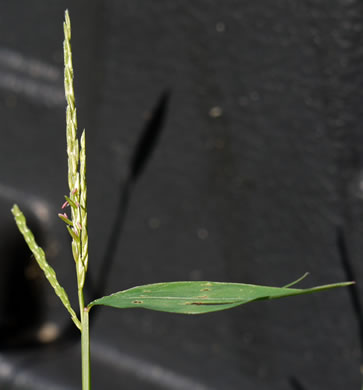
(43, 264)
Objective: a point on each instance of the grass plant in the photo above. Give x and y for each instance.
(185, 297)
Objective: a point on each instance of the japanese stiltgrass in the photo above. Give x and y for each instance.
(187, 297)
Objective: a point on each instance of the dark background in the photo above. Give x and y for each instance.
(254, 175)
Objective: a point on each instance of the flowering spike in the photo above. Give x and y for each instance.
(39, 256)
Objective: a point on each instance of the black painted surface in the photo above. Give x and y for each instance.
(253, 178)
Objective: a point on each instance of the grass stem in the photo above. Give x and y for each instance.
(85, 347)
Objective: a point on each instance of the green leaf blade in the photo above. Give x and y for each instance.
(199, 297)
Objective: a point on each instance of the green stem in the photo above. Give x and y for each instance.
(85, 348)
